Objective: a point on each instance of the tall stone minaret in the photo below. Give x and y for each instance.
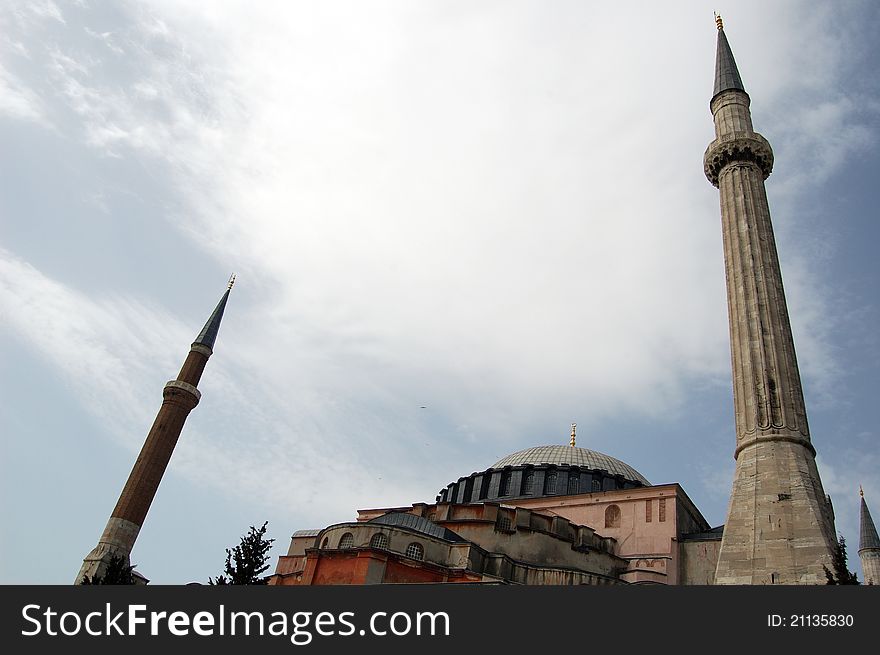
(869, 545)
(180, 396)
(780, 525)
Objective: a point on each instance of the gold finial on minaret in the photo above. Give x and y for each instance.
(718, 21)
(573, 428)
(231, 281)
(861, 491)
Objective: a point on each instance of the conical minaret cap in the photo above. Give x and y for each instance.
(867, 532)
(208, 335)
(726, 73)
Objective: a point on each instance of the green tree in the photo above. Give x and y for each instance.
(246, 563)
(116, 572)
(841, 574)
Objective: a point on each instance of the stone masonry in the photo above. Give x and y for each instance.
(780, 526)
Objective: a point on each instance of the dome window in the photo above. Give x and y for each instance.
(346, 541)
(528, 483)
(484, 486)
(504, 486)
(379, 540)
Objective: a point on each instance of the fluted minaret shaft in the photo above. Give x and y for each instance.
(179, 398)
(780, 525)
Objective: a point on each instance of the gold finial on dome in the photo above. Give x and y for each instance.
(718, 22)
(573, 428)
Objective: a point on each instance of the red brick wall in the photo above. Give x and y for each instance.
(397, 572)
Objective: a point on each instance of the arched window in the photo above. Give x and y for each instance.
(468, 490)
(484, 485)
(346, 541)
(612, 517)
(415, 551)
(550, 483)
(597, 485)
(504, 486)
(573, 483)
(325, 543)
(528, 483)
(379, 540)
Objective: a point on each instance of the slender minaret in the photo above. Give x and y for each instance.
(869, 545)
(780, 525)
(180, 396)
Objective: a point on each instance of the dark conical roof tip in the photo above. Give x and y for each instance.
(867, 532)
(208, 335)
(726, 73)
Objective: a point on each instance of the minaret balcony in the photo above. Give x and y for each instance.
(738, 147)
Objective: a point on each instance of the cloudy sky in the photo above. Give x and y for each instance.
(457, 226)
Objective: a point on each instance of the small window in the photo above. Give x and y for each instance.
(379, 540)
(325, 543)
(468, 490)
(649, 511)
(346, 541)
(484, 485)
(662, 509)
(597, 485)
(612, 517)
(528, 483)
(504, 487)
(415, 551)
(504, 524)
(550, 484)
(573, 483)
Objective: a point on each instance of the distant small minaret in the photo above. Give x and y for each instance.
(180, 396)
(869, 545)
(780, 525)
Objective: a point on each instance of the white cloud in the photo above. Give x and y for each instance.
(19, 102)
(46, 9)
(107, 39)
(499, 225)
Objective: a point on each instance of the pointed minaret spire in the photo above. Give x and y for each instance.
(208, 335)
(180, 397)
(780, 525)
(726, 73)
(869, 544)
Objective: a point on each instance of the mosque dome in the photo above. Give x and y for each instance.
(543, 471)
(572, 456)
